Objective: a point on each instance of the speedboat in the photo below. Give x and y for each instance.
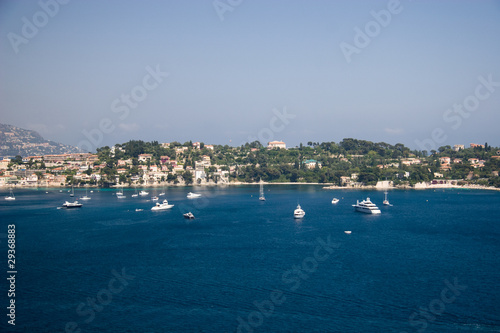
(348, 232)
(11, 196)
(299, 213)
(154, 198)
(75, 204)
(188, 215)
(162, 206)
(335, 200)
(192, 195)
(139, 209)
(143, 193)
(162, 193)
(366, 206)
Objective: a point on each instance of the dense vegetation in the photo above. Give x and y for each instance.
(370, 161)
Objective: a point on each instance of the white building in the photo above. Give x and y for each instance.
(276, 144)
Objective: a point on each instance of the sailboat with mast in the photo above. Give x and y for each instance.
(261, 196)
(386, 202)
(72, 194)
(120, 194)
(11, 196)
(85, 197)
(135, 194)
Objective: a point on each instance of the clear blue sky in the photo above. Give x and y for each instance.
(226, 76)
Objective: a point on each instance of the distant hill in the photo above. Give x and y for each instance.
(18, 141)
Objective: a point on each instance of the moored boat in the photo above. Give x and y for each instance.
(10, 196)
(162, 206)
(74, 204)
(188, 215)
(366, 206)
(299, 213)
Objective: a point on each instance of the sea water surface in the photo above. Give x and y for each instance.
(429, 263)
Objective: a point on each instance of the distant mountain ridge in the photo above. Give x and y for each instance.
(19, 141)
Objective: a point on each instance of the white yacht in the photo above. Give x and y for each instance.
(11, 196)
(366, 206)
(75, 204)
(386, 202)
(162, 206)
(299, 213)
(192, 195)
(143, 193)
(335, 200)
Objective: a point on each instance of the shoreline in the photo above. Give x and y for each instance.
(326, 186)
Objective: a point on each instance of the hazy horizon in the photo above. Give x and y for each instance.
(89, 73)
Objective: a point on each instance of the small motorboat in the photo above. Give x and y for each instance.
(335, 200)
(154, 198)
(192, 195)
(143, 193)
(139, 209)
(188, 216)
(348, 232)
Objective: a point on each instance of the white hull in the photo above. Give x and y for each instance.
(162, 207)
(367, 207)
(193, 195)
(10, 198)
(367, 210)
(75, 204)
(299, 212)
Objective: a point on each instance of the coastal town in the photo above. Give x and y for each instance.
(350, 163)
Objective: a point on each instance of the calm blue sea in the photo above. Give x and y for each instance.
(429, 263)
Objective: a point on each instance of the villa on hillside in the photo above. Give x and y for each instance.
(276, 144)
